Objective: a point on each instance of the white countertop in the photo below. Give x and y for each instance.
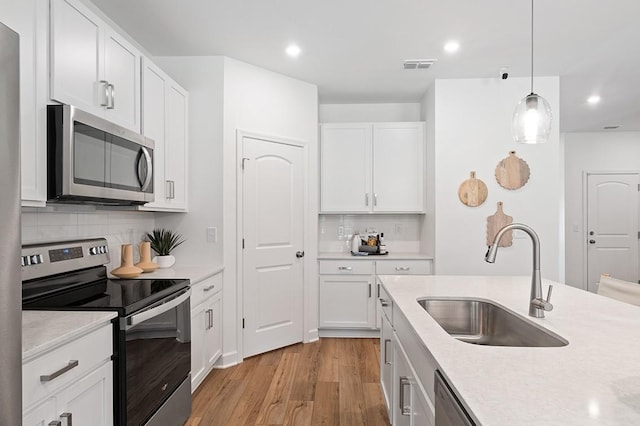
(391, 256)
(593, 380)
(191, 272)
(46, 330)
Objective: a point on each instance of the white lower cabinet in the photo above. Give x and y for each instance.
(347, 295)
(406, 369)
(79, 388)
(206, 328)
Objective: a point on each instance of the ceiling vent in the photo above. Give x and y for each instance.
(418, 64)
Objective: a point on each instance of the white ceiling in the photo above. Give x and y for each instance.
(354, 49)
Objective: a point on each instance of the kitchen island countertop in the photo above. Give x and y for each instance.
(595, 379)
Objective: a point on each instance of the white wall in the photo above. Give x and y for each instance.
(428, 115)
(355, 113)
(267, 103)
(202, 77)
(472, 132)
(595, 151)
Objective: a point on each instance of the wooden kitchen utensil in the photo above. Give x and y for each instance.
(496, 222)
(126, 269)
(145, 258)
(472, 192)
(512, 172)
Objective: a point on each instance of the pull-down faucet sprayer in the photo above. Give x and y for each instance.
(537, 304)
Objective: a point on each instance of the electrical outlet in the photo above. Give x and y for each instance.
(398, 228)
(340, 231)
(212, 235)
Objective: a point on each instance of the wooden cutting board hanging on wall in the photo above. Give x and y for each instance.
(512, 172)
(472, 192)
(497, 221)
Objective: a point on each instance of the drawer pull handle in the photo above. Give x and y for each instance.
(384, 303)
(345, 268)
(55, 423)
(209, 288)
(386, 359)
(47, 378)
(402, 268)
(405, 409)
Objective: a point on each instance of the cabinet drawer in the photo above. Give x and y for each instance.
(89, 351)
(205, 289)
(385, 302)
(347, 267)
(403, 267)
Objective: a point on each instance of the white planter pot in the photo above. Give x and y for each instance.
(165, 261)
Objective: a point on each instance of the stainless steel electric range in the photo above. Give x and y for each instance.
(152, 333)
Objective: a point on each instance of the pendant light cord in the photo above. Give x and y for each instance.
(532, 46)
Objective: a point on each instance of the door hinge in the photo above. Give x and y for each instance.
(639, 187)
(243, 243)
(242, 322)
(639, 235)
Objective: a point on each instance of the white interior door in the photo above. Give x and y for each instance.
(273, 197)
(612, 227)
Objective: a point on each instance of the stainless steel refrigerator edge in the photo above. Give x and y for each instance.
(10, 247)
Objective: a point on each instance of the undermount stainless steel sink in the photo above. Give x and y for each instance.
(482, 322)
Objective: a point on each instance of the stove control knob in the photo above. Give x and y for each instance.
(93, 250)
(24, 260)
(101, 249)
(34, 259)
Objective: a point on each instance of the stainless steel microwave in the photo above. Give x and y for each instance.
(91, 160)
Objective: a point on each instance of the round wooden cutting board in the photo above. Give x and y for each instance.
(497, 221)
(512, 172)
(472, 192)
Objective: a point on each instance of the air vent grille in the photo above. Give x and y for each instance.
(418, 64)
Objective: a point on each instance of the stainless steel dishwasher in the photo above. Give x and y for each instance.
(449, 410)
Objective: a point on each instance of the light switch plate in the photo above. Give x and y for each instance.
(212, 235)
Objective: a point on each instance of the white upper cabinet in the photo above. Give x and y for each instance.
(92, 67)
(29, 20)
(164, 119)
(372, 168)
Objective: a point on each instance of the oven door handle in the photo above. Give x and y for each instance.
(136, 319)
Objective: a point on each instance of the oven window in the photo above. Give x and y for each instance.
(158, 359)
(89, 157)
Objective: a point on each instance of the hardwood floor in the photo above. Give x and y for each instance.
(328, 382)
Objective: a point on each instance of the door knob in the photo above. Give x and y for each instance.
(299, 254)
(592, 241)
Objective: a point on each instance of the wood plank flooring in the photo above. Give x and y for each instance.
(333, 382)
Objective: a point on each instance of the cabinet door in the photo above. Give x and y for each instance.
(76, 56)
(347, 301)
(41, 415)
(199, 323)
(30, 22)
(153, 124)
(398, 167)
(176, 146)
(345, 168)
(403, 383)
(89, 401)
(422, 412)
(122, 72)
(213, 344)
(386, 362)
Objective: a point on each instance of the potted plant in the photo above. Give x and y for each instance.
(163, 242)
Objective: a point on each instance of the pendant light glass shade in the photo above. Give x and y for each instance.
(532, 120)
(532, 117)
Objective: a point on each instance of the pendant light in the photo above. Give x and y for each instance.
(532, 116)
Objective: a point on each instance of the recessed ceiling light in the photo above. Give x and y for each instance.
(293, 50)
(594, 99)
(451, 46)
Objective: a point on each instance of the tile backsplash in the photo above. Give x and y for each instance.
(60, 223)
(401, 232)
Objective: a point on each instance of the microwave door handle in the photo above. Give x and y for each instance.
(147, 179)
(133, 320)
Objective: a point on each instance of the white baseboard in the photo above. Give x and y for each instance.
(349, 333)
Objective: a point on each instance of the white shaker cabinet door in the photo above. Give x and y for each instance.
(41, 415)
(199, 324)
(89, 401)
(398, 167)
(347, 301)
(122, 72)
(176, 145)
(76, 56)
(345, 168)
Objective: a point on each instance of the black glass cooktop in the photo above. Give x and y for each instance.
(90, 289)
